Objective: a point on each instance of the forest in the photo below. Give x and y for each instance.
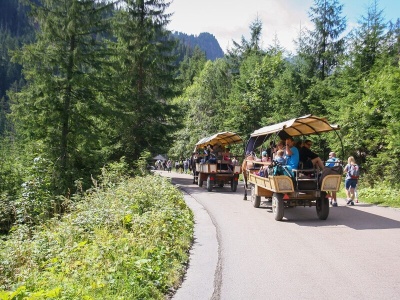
(85, 83)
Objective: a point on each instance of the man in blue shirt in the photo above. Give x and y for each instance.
(332, 161)
(291, 154)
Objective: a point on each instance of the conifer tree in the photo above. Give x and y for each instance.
(367, 42)
(144, 76)
(191, 66)
(324, 44)
(240, 51)
(60, 105)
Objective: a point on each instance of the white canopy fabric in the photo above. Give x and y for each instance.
(305, 125)
(222, 138)
(159, 157)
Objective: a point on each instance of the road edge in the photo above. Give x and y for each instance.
(202, 279)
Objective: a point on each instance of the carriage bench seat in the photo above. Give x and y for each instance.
(304, 182)
(254, 168)
(299, 176)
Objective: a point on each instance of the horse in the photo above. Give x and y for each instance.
(192, 166)
(246, 165)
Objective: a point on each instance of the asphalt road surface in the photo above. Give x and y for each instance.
(241, 252)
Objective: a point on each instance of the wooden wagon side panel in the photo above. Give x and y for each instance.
(207, 168)
(260, 191)
(237, 169)
(283, 184)
(278, 184)
(331, 183)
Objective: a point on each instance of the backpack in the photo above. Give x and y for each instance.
(354, 171)
(279, 169)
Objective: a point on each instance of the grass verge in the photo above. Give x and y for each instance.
(130, 241)
(381, 194)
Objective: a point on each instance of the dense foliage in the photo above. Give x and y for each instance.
(97, 85)
(100, 81)
(353, 80)
(85, 83)
(125, 239)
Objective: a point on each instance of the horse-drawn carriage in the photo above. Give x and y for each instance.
(299, 187)
(218, 170)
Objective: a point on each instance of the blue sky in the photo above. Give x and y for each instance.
(229, 20)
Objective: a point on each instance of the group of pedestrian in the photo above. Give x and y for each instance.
(182, 165)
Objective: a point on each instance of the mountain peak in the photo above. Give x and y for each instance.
(205, 41)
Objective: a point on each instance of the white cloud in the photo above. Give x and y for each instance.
(228, 20)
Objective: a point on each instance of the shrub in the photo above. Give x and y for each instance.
(128, 241)
(141, 165)
(380, 194)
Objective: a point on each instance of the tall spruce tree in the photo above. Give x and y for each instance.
(191, 66)
(240, 51)
(60, 105)
(144, 76)
(393, 42)
(367, 42)
(324, 43)
(206, 110)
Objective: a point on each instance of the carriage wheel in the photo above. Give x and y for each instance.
(255, 200)
(277, 206)
(199, 181)
(322, 206)
(209, 183)
(234, 185)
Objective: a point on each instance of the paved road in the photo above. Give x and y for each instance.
(241, 252)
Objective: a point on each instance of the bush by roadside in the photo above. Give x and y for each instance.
(381, 194)
(129, 241)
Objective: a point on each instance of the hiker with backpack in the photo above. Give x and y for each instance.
(352, 171)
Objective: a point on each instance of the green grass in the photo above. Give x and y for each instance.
(130, 241)
(381, 194)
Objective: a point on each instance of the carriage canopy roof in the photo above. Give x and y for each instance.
(304, 125)
(223, 138)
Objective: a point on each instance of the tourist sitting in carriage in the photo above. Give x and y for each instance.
(291, 155)
(209, 155)
(226, 156)
(309, 158)
(279, 158)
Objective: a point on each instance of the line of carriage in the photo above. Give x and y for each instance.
(304, 187)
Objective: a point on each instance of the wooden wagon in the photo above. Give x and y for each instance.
(304, 187)
(219, 172)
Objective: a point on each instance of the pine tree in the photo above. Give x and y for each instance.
(240, 51)
(191, 66)
(60, 105)
(367, 43)
(144, 76)
(324, 44)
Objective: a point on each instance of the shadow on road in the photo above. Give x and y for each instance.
(186, 184)
(340, 216)
(343, 215)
